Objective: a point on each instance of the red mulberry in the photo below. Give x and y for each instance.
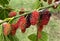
(14, 26)
(22, 23)
(13, 30)
(12, 14)
(34, 17)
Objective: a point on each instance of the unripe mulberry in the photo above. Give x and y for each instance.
(7, 28)
(34, 17)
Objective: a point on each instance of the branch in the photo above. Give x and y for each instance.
(5, 20)
(39, 10)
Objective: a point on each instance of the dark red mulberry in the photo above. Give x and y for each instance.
(45, 17)
(28, 21)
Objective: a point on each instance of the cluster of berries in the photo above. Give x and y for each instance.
(25, 21)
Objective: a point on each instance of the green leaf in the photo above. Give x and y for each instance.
(3, 13)
(4, 2)
(33, 37)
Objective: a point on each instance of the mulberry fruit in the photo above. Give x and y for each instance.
(12, 14)
(45, 17)
(6, 28)
(22, 23)
(14, 28)
(34, 17)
